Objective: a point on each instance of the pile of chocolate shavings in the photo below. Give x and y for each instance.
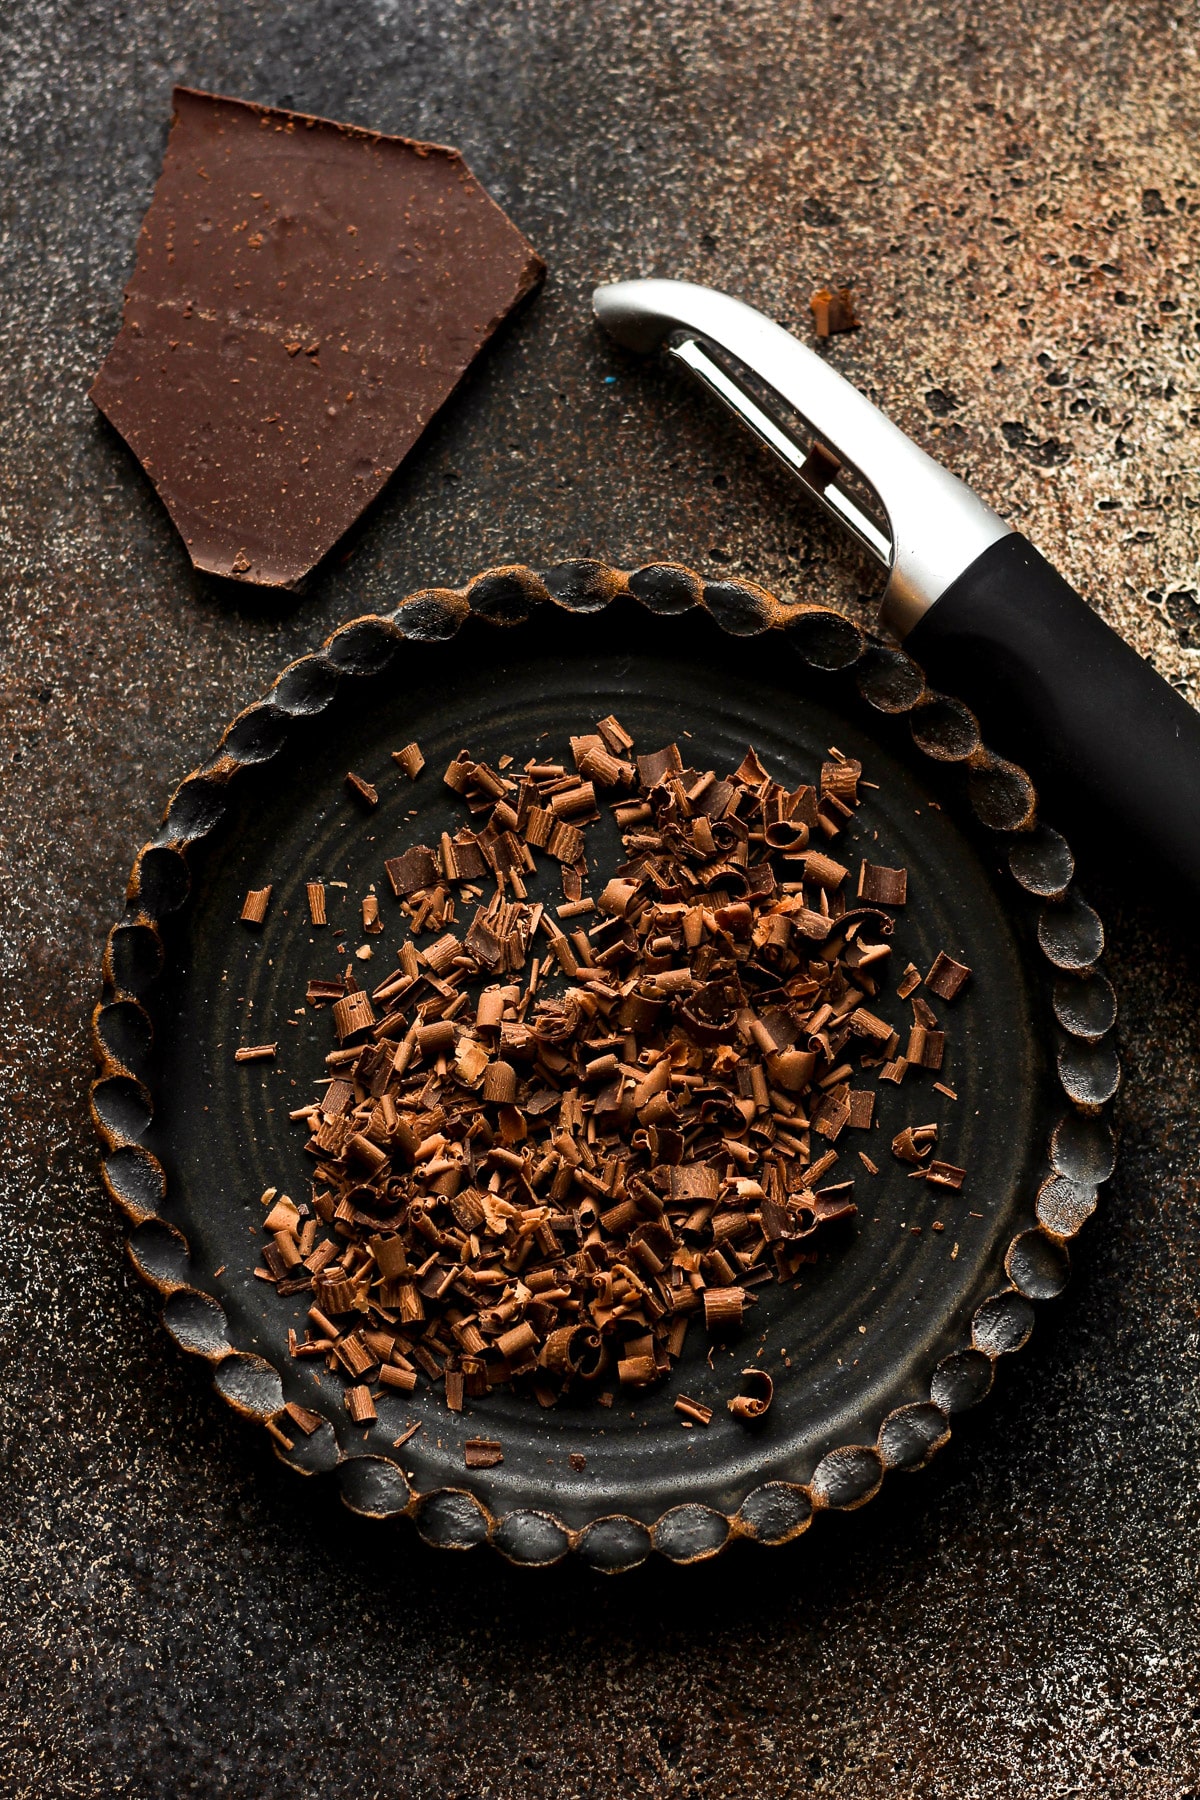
(519, 1185)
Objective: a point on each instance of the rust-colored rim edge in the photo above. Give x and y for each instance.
(1080, 1148)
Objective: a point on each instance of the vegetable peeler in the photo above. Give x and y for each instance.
(983, 612)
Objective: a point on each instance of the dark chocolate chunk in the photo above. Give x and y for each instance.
(306, 296)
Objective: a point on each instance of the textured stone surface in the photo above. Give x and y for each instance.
(1020, 1618)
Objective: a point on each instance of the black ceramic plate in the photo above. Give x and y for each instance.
(891, 1331)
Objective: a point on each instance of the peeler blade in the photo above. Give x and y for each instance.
(933, 526)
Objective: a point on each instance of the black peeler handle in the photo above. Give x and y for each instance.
(1103, 736)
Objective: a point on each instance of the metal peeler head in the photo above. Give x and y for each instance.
(919, 522)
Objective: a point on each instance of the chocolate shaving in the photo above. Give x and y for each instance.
(840, 777)
(555, 1139)
(307, 1421)
(833, 311)
(914, 1143)
(254, 906)
(946, 977)
(409, 760)
(315, 893)
(317, 992)
(758, 1391)
(362, 790)
(909, 981)
(862, 1109)
(412, 871)
(352, 1014)
(652, 768)
(482, 1453)
(723, 1306)
(880, 886)
(925, 1048)
(360, 1405)
(255, 1053)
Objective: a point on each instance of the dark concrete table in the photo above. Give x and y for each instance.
(1011, 194)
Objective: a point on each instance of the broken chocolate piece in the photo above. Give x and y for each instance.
(306, 296)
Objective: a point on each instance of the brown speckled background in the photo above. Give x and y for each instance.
(1014, 194)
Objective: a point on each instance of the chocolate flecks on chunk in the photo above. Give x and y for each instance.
(306, 296)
